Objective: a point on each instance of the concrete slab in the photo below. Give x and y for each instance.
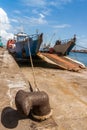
(12, 80)
(67, 93)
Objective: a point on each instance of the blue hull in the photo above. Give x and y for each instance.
(26, 45)
(22, 49)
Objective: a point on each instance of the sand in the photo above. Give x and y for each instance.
(67, 95)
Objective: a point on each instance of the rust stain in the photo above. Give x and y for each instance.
(63, 61)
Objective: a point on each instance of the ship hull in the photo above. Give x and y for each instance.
(64, 48)
(26, 47)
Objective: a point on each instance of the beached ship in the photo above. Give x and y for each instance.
(23, 45)
(64, 47)
(61, 47)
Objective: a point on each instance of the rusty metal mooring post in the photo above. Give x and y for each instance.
(37, 101)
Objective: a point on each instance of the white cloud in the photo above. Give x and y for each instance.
(37, 21)
(34, 3)
(35, 11)
(34, 21)
(41, 15)
(5, 35)
(4, 25)
(4, 21)
(14, 20)
(46, 11)
(59, 3)
(62, 26)
(45, 3)
(43, 8)
(17, 12)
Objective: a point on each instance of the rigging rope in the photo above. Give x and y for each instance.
(37, 89)
(75, 55)
(81, 46)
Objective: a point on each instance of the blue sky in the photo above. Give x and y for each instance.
(57, 19)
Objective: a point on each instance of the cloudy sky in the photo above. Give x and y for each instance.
(57, 19)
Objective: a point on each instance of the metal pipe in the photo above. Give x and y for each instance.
(37, 102)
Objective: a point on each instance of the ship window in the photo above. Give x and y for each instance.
(21, 38)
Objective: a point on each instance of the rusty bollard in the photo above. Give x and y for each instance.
(37, 102)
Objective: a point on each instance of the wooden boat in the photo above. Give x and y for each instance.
(64, 47)
(23, 45)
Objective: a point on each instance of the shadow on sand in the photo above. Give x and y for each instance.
(10, 117)
(37, 62)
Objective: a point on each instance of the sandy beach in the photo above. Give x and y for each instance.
(67, 94)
